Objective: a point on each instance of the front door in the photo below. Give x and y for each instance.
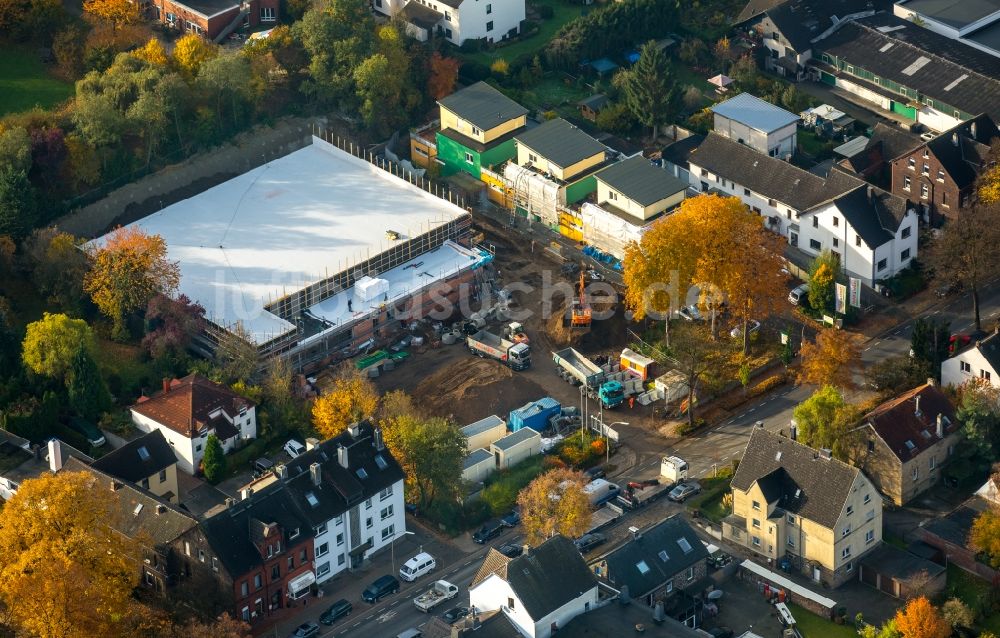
(793, 238)
(816, 574)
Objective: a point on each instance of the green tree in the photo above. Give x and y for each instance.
(431, 451)
(18, 207)
(378, 90)
(648, 87)
(228, 77)
(15, 149)
(822, 277)
(823, 421)
(57, 266)
(214, 462)
(929, 342)
(337, 35)
(88, 396)
(51, 343)
(980, 422)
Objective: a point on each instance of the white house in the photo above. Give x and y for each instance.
(762, 126)
(872, 231)
(981, 360)
(457, 20)
(540, 591)
(190, 409)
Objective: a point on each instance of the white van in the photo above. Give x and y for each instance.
(410, 633)
(798, 294)
(417, 566)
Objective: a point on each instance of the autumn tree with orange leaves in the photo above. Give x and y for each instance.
(351, 399)
(921, 619)
(832, 359)
(555, 503)
(116, 12)
(127, 271)
(444, 73)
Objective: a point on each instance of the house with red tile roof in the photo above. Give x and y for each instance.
(188, 410)
(904, 443)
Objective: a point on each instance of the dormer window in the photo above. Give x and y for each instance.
(294, 534)
(270, 551)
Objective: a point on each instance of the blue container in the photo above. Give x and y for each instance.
(534, 415)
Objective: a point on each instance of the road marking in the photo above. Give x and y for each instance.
(867, 349)
(876, 344)
(937, 312)
(751, 410)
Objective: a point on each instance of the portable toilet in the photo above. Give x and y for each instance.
(637, 364)
(534, 415)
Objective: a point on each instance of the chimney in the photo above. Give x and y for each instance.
(917, 411)
(115, 485)
(825, 453)
(793, 430)
(635, 533)
(342, 457)
(161, 508)
(316, 473)
(311, 443)
(246, 493)
(55, 455)
(230, 502)
(377, 439)
(281, 471)
(526, 549)
(355, 430)
(166, 385)
(931, 381)
(940, 425)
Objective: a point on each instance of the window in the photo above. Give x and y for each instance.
(187, 548)
(476, 131)
(267, 14)
(489, 9)
(194, 28)
(916, 474)
(245, 613)
(323, 549)
(270, 551)
(933, 462)
(985, 374)
(846, 552)
(849, 566)
(163, 476)
(756, 541)
(926, 170)
(857, 240)
(924, 191)
(944, 199)
(340, 560)
(903, 256)
(746, 191)
(388, 532)
(690, 574)
(386, 513)
(368, 523)
(291, 563)
(144, 483)
(772, 203)
(384, 494)
(613, 196)
(870, 515)
(868, 499)
(871, 448)
(489, 25)
(215, 564)
(850, 510)
(275, 572)
(258, 582)
(790, 542)
(321, 529)
(171, 18)
(966, 367)
(510, 603)
(836, 221)
(846, 531)
(447, 16)
(532, 158)
(869, 537)
(303, 556)
(756, 505)
(791, 520)
(756, 523)
(323, 570)
(906, 232)
(447, 33)
(836, 242)
(815, 245)
(339, 520)
(201, 555)
(906, 182)
(340, 539)
(295, 533)
(244, 589)
(882, 264)
(704, 172)
(940, 176)
(197, 448)
(469, 159)
(815, 222)
(912, 164)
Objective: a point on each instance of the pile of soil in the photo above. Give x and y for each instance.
(466, 390)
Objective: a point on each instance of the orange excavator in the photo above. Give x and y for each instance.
(580, 314)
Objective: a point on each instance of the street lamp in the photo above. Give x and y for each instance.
(392, 546)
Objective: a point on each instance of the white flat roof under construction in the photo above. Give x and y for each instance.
(284, 225)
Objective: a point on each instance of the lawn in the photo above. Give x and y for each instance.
(974, 592)
(562, 12)
(553, 93)
(812, 144)
(709, 502)
(25, 82)
(812, 626)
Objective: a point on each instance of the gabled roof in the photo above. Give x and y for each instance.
(18, 461)
(908, 432)
(797, 477)
(548, 576)
(801, 21)
(560, 142)
(894, 140)
(754, 112)
(187, 406)
(964, 149)
(679, 152)
(874, 214)
(754, 8)
(656, 556)
(989, 348)
(138, 459)
(493, 563)
(139, 513)
(640, 181)
(483, 106)
(595, 102)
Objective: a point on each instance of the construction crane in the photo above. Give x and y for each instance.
(580, 314)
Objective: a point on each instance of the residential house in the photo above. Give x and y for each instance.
(147, 461)
(540, 591)
(674, 157)
(188, 410)
(630, 196)
(801, 509)
(349, 492)
(899, 67)
(762, 126)
(980, 362)
(20, 460)
(176, 558)
(872, 231)
(655, 563)
(939, 175)
(213, 19)
(905, 441)
(264, 547)
(478, 125)
(456, 20)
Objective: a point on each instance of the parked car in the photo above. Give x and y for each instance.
(455, 614)
(294, 449)
(588, 542)
(305, 630)
(958, 341)
(336, 611)
(490, 530)
(684, 491)
(90, 431)
(798, 294)
(949, 289)
(593, 275)
(690, 313)
(410, 633)
(510, 550)
(512, 518)
(737, 332)
(262, 466)
(382, 587)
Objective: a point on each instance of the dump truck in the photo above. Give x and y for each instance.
(439, 592)
(637, 494)
(517, 356)
(578, 369)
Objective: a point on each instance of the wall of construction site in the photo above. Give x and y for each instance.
(607, 231)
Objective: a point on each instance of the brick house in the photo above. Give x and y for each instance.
(938, 176)
(213, 19)
(905, 442)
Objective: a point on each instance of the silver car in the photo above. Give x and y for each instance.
(684, 491)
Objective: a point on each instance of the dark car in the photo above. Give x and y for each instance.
(305, 630)
(337, 610)
(490, 530)
(510, 550)
(588, 542)
(511, 519)
(595, 473)
(382, 587)
(454, 615)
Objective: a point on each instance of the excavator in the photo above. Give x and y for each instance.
(580, 313)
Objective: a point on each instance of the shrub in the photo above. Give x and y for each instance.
(578, 452)
(768, 384)
(472, 72)
(500, 67)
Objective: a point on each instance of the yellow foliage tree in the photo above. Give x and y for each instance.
(127, 271)
(51, 343)
(192, 51)
(985, 535)
(555, 503)
(116, 12)
(989, 186)
(833, 359)
(352, 398)
(152, 52)
(64, 572)
(500, 67)
(921, 619)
